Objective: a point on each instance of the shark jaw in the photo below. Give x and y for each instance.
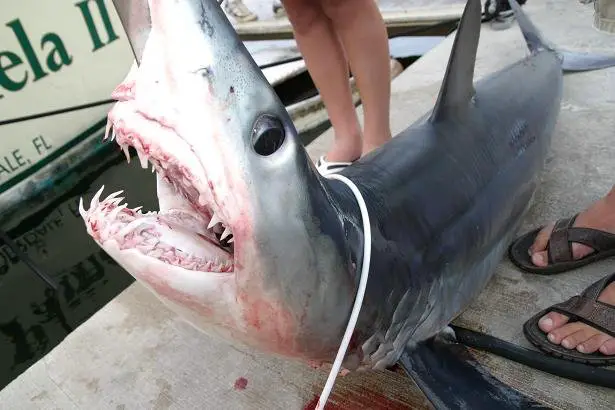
(186, 253)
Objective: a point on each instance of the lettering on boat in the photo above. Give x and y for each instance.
(53, 56)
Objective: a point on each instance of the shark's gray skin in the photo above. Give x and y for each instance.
(445, 196)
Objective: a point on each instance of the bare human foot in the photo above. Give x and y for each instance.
(577, 335)
(600, 215)
(347, 149)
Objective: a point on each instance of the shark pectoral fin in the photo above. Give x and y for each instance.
(576, 61)
(451, 378)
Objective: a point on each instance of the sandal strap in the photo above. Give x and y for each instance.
(333, 164)
(326, 168)
(587, 309)
(559, 247)
(594, 238)
(595, 289)
(564, 235)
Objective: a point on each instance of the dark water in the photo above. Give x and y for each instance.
(34, 318)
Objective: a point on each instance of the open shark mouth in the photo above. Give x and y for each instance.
(189, 234)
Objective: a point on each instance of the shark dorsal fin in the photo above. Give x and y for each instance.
(458, 85)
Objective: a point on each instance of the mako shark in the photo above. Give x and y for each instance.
(252, 244)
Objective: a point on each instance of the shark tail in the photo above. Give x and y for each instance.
(571, 61)
(450, 377)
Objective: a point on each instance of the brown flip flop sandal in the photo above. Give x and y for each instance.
(559, 248)
(582, 308)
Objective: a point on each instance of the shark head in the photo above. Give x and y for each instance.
(247, 243)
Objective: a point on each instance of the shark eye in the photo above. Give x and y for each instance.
(268, 135)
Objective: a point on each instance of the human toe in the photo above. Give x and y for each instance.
(594, 343)
(540, 258)
(552, 320)
(541, 240)
(556, 335)
(608, 347)
(577, 338)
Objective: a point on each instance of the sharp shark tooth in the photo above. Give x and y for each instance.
(227, 232)
(117, 201)
(214, 221)
(131, 227)
(143, 159)
(107, 131)
(82, 210)
(96, 198)
(113, 195)
(113, 214)
(125, 149)
(231, 240)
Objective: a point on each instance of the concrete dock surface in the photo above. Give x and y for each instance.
(135, 354)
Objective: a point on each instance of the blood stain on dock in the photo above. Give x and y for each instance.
(241, 383)
(373, 390)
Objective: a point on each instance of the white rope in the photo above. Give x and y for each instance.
(354, 315)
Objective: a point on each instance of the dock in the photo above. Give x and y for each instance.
(135, 354)
(426, 20)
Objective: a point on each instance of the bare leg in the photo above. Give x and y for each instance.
(363, 34)
(325, 59)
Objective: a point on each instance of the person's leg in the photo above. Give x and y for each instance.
(586, 339)
(363, 34)
(327, 65)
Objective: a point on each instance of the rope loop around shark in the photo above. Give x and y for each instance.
(252, 244)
